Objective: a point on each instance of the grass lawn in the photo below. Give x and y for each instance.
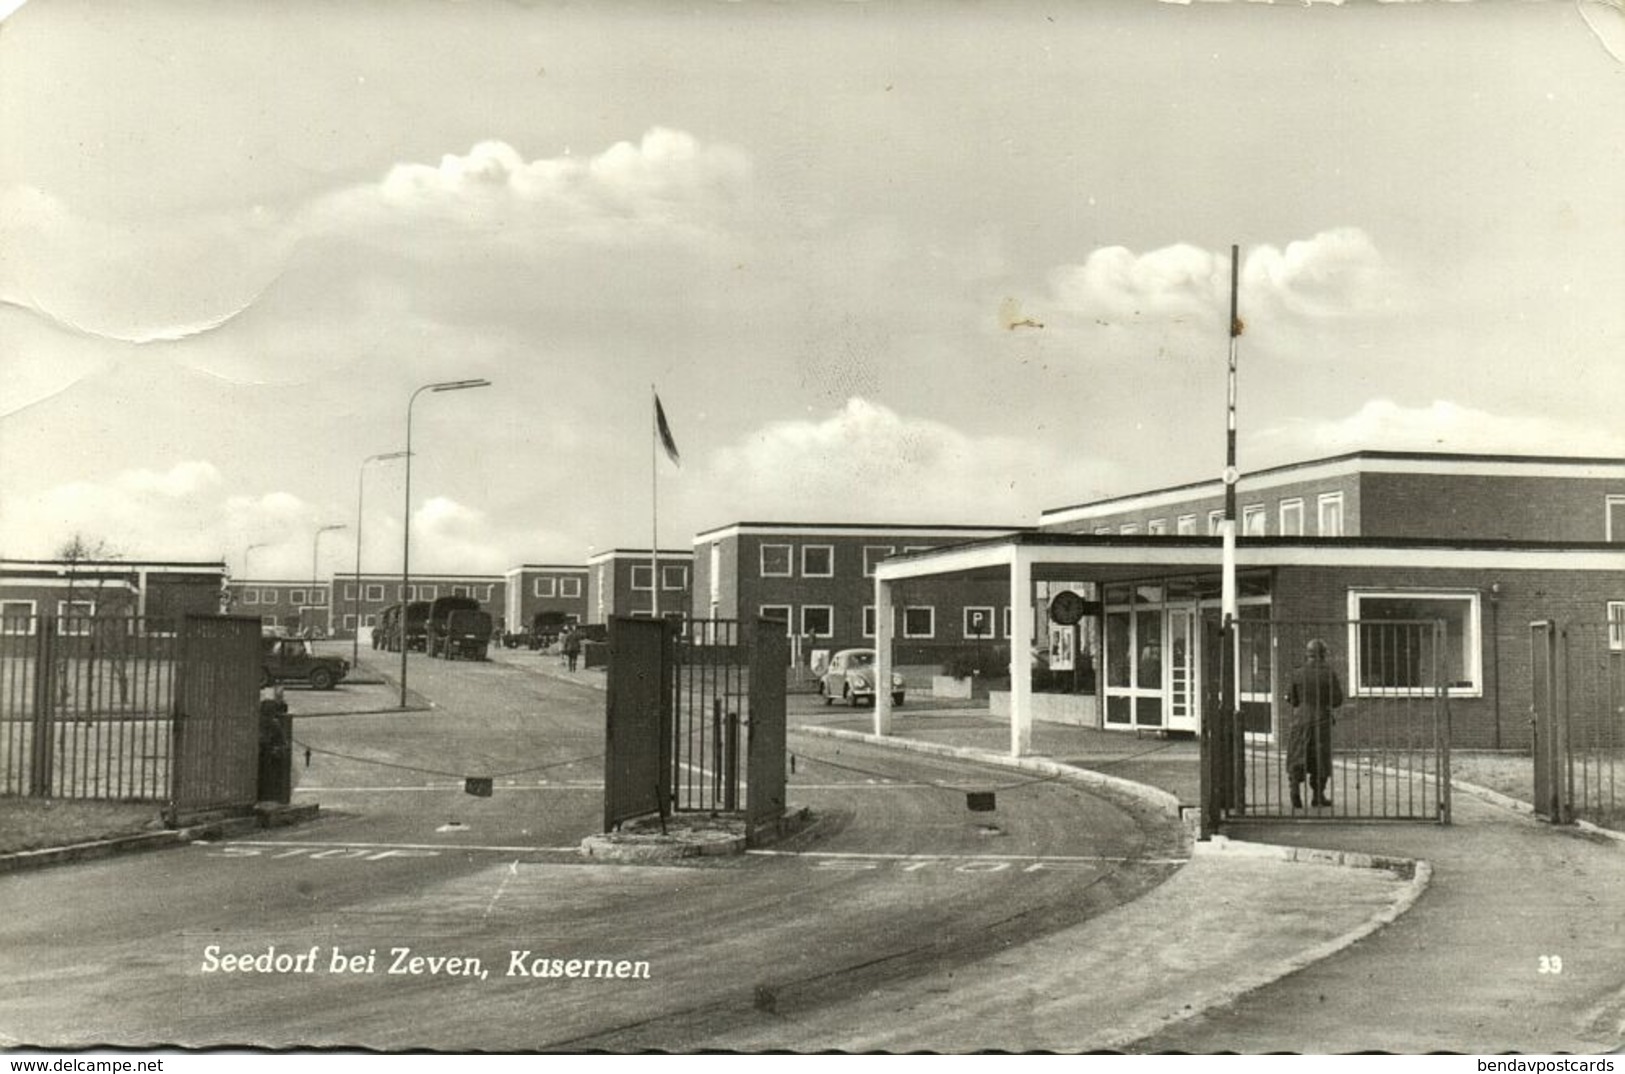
(33, 823)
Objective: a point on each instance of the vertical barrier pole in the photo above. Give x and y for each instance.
(40, 754)
(730, 786)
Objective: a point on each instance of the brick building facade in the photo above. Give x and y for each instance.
(819, 579)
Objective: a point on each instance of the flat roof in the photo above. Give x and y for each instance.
(1355, 462)
(855, 529)
(1057, 556)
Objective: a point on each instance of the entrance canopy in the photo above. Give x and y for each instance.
(1027, 558)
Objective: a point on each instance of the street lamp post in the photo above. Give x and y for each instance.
(355, 598)
(315, 544)
(248, 552)
(406, 512)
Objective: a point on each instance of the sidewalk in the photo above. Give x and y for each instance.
(1249, 950)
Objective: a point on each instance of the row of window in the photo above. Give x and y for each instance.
(674, 578)
(308, 597)
(558, 587)
(918, 621)
(1254, 520)
(818, 560)
(274, 596)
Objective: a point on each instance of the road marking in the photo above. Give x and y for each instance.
(1012, 859)
(296, 848)
(441, 788)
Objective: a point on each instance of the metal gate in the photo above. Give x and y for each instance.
(696, 713)
(1577, 720)
(89, 705)
(637, 746)
(215, 733)
(1384, 751)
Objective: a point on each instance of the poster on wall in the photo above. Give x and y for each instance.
(1063, 642)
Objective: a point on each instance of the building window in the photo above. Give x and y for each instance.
(775, 560)
(1331, 514)
(1157, 527)
(1007, 622)
(777, 613)
(1103, 531)
(428, 592)
(869, 620)
(369, 621)
(16, 617)
(269, 596)
(546, 587)
(643, 576)
(296, 596)
(75, 615)
(817, 561)
(673, 577)
(569, 587)
(1292, 518)
(1616, 625)
(716, 576)
(349, 590)
(1215, 523)
(251, 596)
(1614, 524)
(1129, 528)
(375, 592)
(978, 622)
(1252, 520)
(872, 555)
(462, 591)
(818, 620)
(318, 596)
(1396, 651)
(1185, 526)
(349, 622)
(919, 622)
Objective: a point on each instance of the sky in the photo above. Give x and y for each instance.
(884, 262)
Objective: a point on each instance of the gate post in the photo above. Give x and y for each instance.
(42, 749)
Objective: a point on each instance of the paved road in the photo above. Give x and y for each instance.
(897, 881)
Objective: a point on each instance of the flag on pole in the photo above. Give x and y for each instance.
(664, 430)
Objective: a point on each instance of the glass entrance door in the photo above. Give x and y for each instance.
(1183, 689)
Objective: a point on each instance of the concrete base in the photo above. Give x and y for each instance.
(646, 839)
(1079, 710)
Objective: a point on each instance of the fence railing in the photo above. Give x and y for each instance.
(1578, 712)
(1382, 752)
(85, 706)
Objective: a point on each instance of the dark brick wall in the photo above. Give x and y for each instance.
(1494, 507)
(1500, 718)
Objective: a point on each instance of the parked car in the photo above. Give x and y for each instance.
(295, 660)
(850, 676)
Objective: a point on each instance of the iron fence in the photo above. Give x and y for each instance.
(1577, 710)
(1381, 753)
(85, 706)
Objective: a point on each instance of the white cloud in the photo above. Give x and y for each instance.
(1382, 424)
(1336, 273)
(867, 463)
(668, 183)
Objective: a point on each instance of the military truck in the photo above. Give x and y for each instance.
(458, 628)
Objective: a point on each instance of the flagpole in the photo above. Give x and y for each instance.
(654, 502)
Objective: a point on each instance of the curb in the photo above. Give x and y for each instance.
(277, 816)
(1152, 796)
